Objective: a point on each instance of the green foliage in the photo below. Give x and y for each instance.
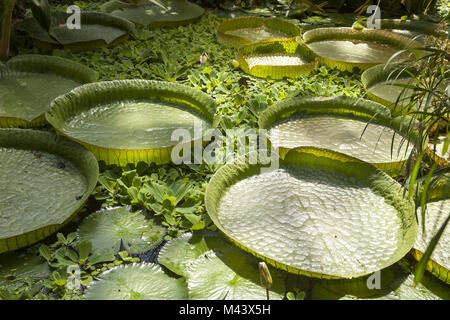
(173, 195)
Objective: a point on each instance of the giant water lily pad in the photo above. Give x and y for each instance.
(276, 59)
(386, 85)
(118, 228)
(346, 48)
(357, 127)
(438, 149)
(247, 30)
(417, 29)
(321, 213)
(435, 215)
(147, 13)
(97, 30)
(144, 281)
(230, 275)
(29, 83)
(128, 121)
(46, 180)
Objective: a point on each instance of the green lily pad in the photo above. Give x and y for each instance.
(46, 180)
(400, 288)
(20, 265)
(143, 281)
(116, 228)
(416, 29)
(29, 83)
(179, 252)
(360, 128)
(276, 59)
(321, 213)
(438, 149)
(147, 13)
(128, 121)
(347, 48)
(230, 275)
(384, 85)
(97, 30)
(247, 30)
(435, 215)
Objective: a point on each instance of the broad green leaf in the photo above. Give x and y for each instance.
(60, 175)
(230, 275)
(31, 82)
(111, 229)
(246, 30)
(292, 217)
(155, 13)
(144, 281)
(137, 124)
(346, 48)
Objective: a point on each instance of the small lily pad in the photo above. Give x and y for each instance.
(179, 252)
(97, 30)
(230, 275)
(23, 264)
(118, 229)
(144, 281)
(148, 13)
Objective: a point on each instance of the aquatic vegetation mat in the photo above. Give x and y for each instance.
(45, 181)
(346, 48)
(117, 229)
(128, 121)
(139, 281)
(98, 30)
(147, 13)
(28, 84)
(360, 128)
(321, 213)
(276, 59)
(247, 30)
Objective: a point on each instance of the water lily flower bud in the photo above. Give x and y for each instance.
(265, 276)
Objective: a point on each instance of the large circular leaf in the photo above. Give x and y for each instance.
(46, 180)
(320, 213)
(22, 265)
(29, 83)
(144, 281)
(97, 30)
(346, 48)
(148, 13)
(357, 127)
(179, 252)
(128, 121)
(230, 275)
(246, 30)
(276, 59)
(118, 228)
(435, 215)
